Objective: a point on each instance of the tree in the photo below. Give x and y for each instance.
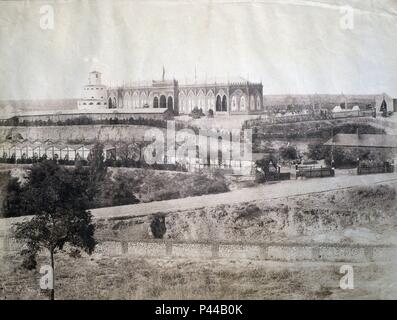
(319, 151)
(266, 168)
(121, 193)
(196, 113)
(97, 170)
(58, 200)
(288, 153)
(12, 203)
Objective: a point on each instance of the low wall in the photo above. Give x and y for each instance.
(280, 252)
(260, 251)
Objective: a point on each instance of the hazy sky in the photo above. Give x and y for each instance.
(292, 46)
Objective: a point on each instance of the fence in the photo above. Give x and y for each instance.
(276, 176)
(372, 170)
(234, 250)
(315, 172)
(309, 117)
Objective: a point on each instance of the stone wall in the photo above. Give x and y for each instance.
(206, 250)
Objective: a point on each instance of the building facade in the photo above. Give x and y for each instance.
(222, 98)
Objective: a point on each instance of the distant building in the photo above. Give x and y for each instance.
(223, 98)
(313, 102)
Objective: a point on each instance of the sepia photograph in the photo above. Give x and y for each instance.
(208, 150)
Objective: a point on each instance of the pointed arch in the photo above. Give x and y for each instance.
(127, 100)
(210, 100)
(258, 103)
(233, 104)
(218, 103)
(243, 103)
(252, 103)
(224, 103)
(143, 100)
(170, 103)
(201, 100)
(163, 101)
(191, 101)
(155, 102)
(182, 102)
(135, 100)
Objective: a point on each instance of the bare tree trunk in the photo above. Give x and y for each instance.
(52, 294)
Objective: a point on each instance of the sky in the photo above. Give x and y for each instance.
(292, 46)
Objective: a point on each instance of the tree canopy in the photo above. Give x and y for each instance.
(56, 198)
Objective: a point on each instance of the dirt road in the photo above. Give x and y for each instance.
(281, 189)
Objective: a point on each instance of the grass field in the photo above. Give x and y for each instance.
(122, 278)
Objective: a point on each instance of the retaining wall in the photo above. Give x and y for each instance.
(260, 251)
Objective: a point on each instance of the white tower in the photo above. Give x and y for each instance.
(94, 78)
(94, 95)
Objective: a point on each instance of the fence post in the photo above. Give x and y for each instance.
(215, 250)
(168, 249)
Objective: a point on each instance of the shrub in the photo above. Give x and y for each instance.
(197, 113)
(288, 153)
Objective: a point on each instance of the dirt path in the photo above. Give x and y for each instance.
(282, 189)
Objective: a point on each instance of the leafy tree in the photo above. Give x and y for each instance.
(57, 198)
(266, 168)
(318, 151)
(97, 170)
(13, 206)
(122, 194)
(288, 153)
(196, 113)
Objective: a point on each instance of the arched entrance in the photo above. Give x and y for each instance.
(224, 103)
(218, 104)
(163, 102)
(110, 103)
(155, 102)
(170, 104)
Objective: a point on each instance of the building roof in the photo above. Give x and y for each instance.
(363, 140)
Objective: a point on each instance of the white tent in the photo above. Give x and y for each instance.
(337, 109)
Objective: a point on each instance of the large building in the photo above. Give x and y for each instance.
(227, 98)
(222, 98)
